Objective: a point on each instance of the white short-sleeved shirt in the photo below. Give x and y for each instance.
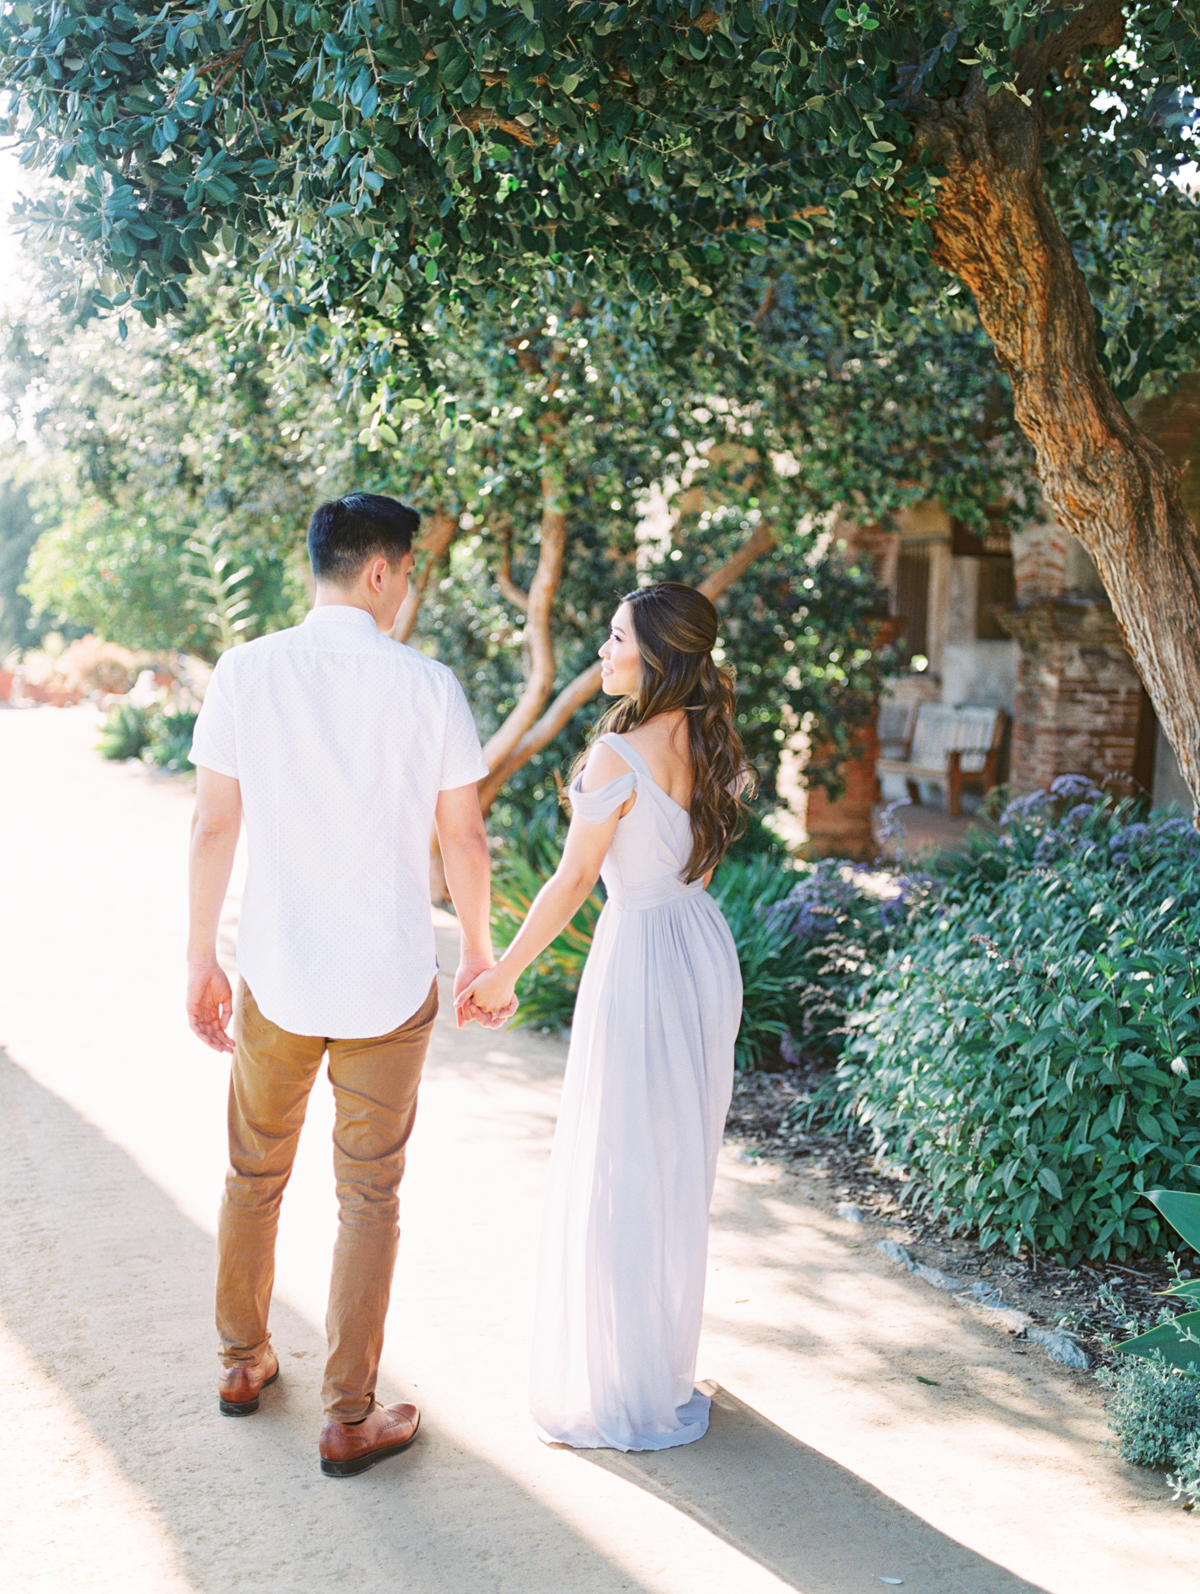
(341, 740)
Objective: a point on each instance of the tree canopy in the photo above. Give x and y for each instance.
(383, 156)
(177, 435)
(387, 164)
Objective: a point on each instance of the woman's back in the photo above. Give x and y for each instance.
(650, 848)
(663, 744)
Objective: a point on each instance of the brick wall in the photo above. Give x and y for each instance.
(1078, 694)
(1040, 562)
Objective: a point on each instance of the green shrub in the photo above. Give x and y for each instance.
(125, 732)
(161, 736)
(1185, 1463)
(1028, 1050)
(1154, 1412)
(550, 983)
(170, 739)
(832, 927)
(771, 965)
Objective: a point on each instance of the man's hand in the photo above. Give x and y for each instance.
(210, 1005)
(488, 998)
(469, 970)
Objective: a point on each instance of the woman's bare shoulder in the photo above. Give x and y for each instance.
(604, 763)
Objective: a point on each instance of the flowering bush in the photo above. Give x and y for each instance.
(1029, 1051)
(835, 924)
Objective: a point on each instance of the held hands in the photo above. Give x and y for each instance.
(488, 997)
(209, 1005)
(472, 977)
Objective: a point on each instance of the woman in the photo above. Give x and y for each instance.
(650, 1069)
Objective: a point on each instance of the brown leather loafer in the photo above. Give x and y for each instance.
(350, 1447)
(239, 1387)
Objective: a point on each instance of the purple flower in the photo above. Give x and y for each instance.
(1028, 807)
(1075, 789)
(1049, 846)
(789, 1052)
(1179, 831)
(1128, 837)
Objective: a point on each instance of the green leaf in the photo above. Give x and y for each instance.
(1168, 1340)
(1048, 1180)
(1182, 1212)
(1188, 1290)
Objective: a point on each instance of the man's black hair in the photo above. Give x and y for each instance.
(344, 534)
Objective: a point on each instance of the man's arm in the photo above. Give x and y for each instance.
(463, 841)
(215, 825)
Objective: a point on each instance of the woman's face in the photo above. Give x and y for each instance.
(620, 661)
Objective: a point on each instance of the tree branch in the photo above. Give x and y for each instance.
(438, 532)
(760, 541)
(1099, 23)
(513, 594)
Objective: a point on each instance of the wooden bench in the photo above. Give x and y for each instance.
(950, 747)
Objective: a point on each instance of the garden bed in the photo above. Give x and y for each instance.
(1095, 1304)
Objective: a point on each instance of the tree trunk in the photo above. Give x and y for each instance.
(1108, 483)
(585, 685)
(438, 532)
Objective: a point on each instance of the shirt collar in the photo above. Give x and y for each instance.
(340, 614)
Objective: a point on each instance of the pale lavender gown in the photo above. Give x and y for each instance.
(648, 1082)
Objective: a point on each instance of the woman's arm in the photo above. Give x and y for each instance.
(560, 899)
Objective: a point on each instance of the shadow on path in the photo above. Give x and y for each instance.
(108, 1286)
(799, 1514)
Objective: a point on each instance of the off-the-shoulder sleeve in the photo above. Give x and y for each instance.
(595, 806)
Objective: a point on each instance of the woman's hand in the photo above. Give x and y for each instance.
(489, 994)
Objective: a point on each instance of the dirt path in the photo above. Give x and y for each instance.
(864, 1428)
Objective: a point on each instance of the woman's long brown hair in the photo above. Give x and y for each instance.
(675, 628)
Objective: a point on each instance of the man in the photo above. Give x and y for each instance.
(341, 748)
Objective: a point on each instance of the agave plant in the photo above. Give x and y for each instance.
(1177, 1342)
(125, 733)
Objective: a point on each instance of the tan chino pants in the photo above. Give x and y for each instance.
(375, 1090)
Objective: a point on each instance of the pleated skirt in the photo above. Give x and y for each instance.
(625, 1237)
